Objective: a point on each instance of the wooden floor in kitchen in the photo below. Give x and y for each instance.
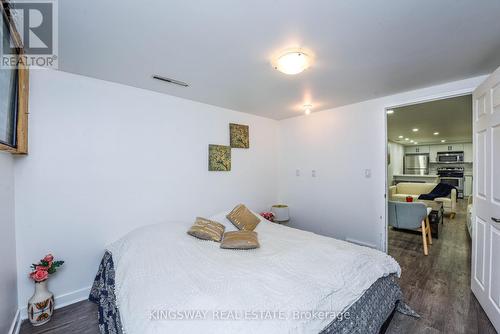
(436, 286)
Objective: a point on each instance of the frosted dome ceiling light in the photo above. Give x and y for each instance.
(292, 61)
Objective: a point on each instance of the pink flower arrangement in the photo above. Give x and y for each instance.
(47, 266)
(268, 215)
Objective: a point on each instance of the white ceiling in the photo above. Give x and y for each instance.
(222, 48)
(452, 118)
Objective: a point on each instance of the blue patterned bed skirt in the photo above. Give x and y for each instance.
(366, 316)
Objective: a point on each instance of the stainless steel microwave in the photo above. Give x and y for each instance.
(450, 157)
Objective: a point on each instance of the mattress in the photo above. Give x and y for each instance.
(159, 267)
(366, 316)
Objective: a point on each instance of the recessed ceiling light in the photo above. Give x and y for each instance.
(415, 130)
(415, 142)
(411, 141)
(407, 139)
(390, 111)
(292, 61)
(307, 108)
(443, 141)
(400, 137)
(436, 133)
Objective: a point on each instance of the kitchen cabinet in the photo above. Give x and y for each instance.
(468, 156)
(417, 149)
(454, 147)
(434, 149)
(448, 147)
(467, 185)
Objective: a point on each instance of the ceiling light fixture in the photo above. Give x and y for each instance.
(390, 111)
(415, 143)
(307, 108)
(292, 61)
(411, 141)
(443, 141)
(436, 133)
(415, 130)
(400, 137)
(407, 139)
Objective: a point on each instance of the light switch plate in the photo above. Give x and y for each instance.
(313, 173)
(297, 172)
(368, 173)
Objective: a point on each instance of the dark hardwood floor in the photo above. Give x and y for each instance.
(436, 286)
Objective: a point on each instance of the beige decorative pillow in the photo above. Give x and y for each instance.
(206, 229)
(240, 240)
(243, 218)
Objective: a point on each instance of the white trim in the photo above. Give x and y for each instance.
(361, 243)
(16, 324)
(63, 300)
(435, 97)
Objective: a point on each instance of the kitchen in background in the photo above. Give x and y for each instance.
(432, 142)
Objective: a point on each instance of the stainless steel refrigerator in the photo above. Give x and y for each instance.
(416, 164)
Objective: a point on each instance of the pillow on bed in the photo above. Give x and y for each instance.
(206, 229)
(240, 240)
(243, 218)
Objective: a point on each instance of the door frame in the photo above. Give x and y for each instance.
(441, 96)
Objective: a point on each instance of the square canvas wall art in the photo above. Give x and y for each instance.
(219, 158)
(239, 135)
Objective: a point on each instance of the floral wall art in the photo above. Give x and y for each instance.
(219, 158)
(239, 135)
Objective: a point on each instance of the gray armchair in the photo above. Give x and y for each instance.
(411, 216)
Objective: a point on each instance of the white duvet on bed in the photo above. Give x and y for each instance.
(160, 268)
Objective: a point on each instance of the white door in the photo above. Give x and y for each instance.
(485, 278)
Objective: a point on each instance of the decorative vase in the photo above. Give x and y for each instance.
(41, 304)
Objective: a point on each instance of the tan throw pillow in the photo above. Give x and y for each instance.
(243, 218)
(206, 229)
(240, 240)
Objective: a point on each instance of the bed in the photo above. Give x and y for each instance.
(157, 279)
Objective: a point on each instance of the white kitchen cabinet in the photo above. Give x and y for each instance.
(433, 150)
(455, 147)
(468, 185)
(417, 149)
(468, 156)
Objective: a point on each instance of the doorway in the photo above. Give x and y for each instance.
(429, 145)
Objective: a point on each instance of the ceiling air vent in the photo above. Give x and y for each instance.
(169, 80)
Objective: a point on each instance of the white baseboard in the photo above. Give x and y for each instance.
(63, 300)
(16, 323)
(361, 243)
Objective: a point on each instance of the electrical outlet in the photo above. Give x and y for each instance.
(297, 172)
(313, 173)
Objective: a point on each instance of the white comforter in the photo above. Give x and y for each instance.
(164, 274)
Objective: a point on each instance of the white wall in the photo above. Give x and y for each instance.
(8, 280)
(340, 144)
(106, 158)
(397, 152)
